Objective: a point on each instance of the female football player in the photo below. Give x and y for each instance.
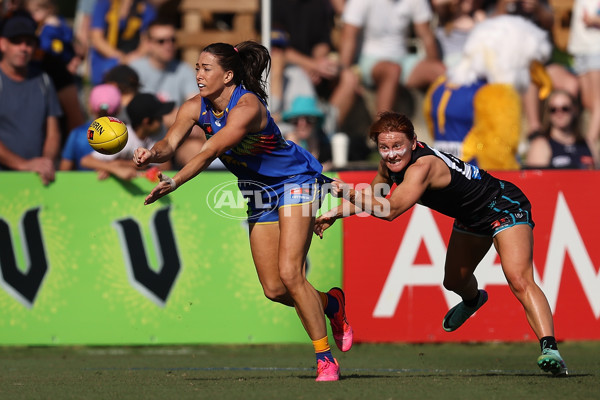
(231, 109)
(486, 210)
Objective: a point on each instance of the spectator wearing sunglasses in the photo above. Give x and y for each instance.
(161, 72)
(170, 79)
(559, 143)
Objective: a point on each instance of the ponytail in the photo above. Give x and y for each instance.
(248, 60)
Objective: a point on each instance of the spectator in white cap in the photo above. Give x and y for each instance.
(104, 101)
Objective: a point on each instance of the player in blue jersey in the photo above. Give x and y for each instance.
(281, 181)
(486, 210)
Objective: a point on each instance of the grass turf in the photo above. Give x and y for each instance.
(370, 371)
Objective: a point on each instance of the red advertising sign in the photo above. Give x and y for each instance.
(393, 271)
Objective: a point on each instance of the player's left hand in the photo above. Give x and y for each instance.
(164, 187)
(323, 222)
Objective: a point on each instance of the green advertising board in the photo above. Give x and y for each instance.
(83, 261)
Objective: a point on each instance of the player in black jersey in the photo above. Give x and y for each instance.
(486, 210)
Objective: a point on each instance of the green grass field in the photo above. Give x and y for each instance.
(370, 371)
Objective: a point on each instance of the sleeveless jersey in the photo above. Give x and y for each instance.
(470, 192)
(263, 156)
(576, 156)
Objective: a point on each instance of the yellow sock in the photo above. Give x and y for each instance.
(321, 345)
(324, 299)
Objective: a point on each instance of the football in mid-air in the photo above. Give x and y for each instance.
(107, 135)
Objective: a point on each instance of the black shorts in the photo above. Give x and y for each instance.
(511, 207)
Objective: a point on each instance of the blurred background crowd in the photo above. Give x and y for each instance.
(335, 65)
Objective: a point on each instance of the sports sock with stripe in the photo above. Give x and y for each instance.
(322, 349)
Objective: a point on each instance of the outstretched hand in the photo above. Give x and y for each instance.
(323, 222)
(339, 188)
(142, 156)
(165, 186)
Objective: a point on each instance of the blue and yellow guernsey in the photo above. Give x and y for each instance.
(263, 156)
(451, 114)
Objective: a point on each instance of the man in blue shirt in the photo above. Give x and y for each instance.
(29, 135)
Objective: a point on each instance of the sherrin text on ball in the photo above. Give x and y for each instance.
(107, 135)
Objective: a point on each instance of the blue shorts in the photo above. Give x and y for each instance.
(301, 189)
(511, 207)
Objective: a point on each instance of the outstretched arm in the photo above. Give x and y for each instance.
(245, 117)
(380, 187)
(345, 209)
(164, 149)
(418, 177)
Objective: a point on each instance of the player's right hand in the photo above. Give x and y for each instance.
(142, 156)
(339, 188)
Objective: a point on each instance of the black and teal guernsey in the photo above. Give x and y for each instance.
(468, 196)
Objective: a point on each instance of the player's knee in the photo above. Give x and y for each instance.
(291, 278)
(453, 284)
(518, 283)
(276, 293)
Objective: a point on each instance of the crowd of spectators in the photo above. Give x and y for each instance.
(58, 74)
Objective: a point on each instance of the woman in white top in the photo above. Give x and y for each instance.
(383, 57)
(584, 45)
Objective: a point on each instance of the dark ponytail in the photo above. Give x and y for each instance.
(248, 60)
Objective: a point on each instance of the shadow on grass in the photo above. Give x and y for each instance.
(418, 376)
(459, 375)
(271, 377)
